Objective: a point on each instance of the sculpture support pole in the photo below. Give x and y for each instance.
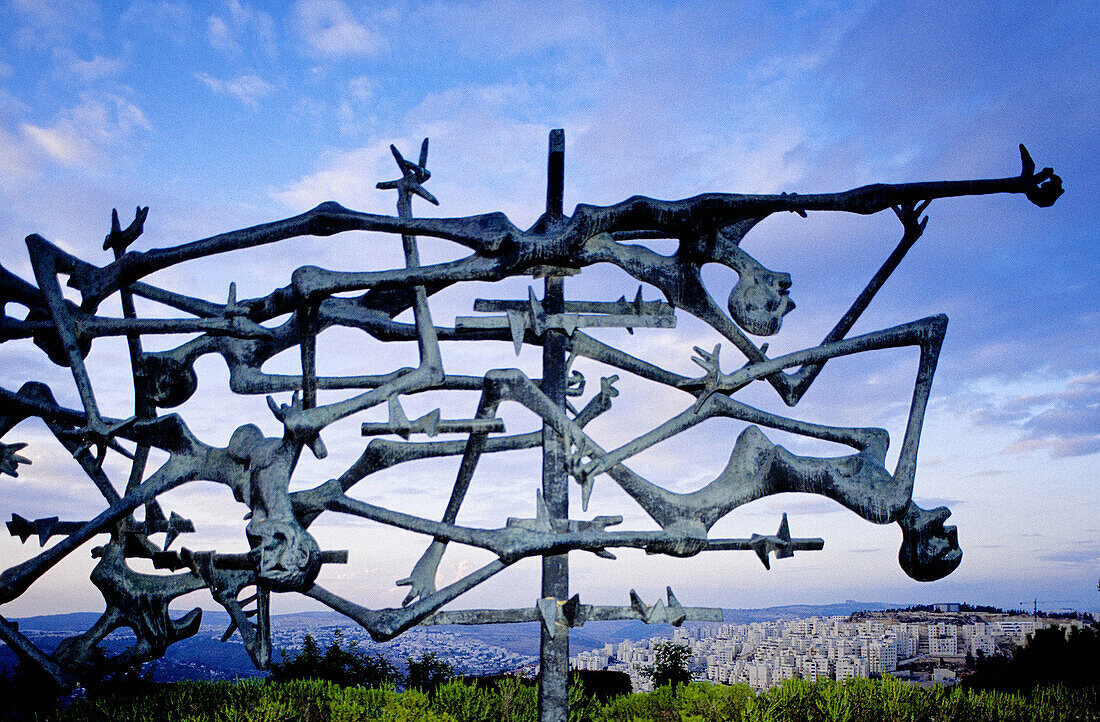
(259, 470)
(554, 652)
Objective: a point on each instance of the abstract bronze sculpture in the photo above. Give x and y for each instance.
(285, 557)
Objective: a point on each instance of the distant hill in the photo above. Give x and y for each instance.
(205, 657)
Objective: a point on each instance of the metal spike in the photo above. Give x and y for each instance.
(548, 613)
(517, 325)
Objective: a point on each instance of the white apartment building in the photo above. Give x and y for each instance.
(1017, 628)
(764, 654)
(848, 667)
(945, 645)
(759, 676)
(983, 644)
(882, 655)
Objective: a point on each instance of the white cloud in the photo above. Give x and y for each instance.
(166, 19)
(332, 31)
(1061, 416)
(95, 69)
(345, 177)
(361, 88)
(17, 166)
(83, 135)
(55, 13)
(475, 136)
(242, 23)
(219, 34)
(249, 89)
(61, 143)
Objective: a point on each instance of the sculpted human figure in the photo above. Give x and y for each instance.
(247, 334)
(288, 556)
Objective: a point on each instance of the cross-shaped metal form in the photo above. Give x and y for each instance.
(523, 316)
(258, 469)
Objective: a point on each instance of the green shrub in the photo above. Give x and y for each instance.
(857, 700)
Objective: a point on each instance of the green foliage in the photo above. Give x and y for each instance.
(1050, 657)
(519, 702)
(820, 701)
(348, 667)
(671, 666)
(428, 672)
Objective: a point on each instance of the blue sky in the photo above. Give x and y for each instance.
(226, 114)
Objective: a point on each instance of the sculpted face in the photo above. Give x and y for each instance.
(289, 558)
(761, 297)
(929, 550)
(165, 381)
(760, 300)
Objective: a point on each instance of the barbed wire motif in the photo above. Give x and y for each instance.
(285, 558)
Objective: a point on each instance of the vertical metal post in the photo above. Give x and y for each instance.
(554, 652)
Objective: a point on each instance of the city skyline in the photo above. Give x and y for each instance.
(221, 116)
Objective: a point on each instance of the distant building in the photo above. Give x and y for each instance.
(882, 656)
(946, 607)
(943, 645)
(984, 644)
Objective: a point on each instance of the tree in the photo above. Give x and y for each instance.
(428, 672)
(1051, 656)
(671, 665)
(347, 667)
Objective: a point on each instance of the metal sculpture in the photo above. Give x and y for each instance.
(285, 557)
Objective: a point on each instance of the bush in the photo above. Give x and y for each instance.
(671, 666)
(821, 701)
(428, 672)
(1050, 656)
(347, 667)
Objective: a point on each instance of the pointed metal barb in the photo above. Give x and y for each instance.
(675, 612)
(781, 543)
(541, 522)
(101, 435)
(155, 523)
(573, 611)
(670, 612)
(530, 314)
(798, 211)
(570, 613)
(10, 460)
(119, 240)
(712, 365)
(548, 608)
(44, 528)
(413, 175)
(430, 424)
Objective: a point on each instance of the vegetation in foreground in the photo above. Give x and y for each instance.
(350, 685)
(510, 700)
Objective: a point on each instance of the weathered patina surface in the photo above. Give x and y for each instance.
(286, 558)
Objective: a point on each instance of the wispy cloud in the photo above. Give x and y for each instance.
(95, 68)
(54, 14)
(173, 21)
(331, 30)
(249, 89)
(17, 165)
(1081, 552)
(1063, 418)
(241, 26)
(473, 133)
(85, 134)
